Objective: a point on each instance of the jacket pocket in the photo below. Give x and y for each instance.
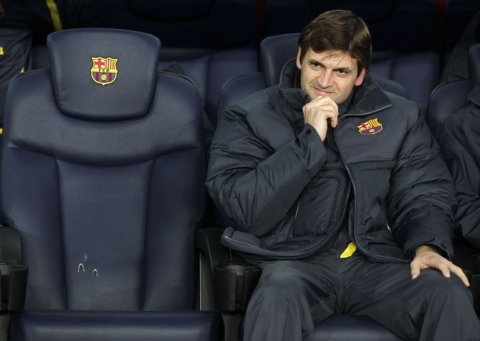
(322, 204)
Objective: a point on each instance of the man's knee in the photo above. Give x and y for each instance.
(440, 287)
(281, 280)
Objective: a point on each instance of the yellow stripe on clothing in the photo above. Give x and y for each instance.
(52, 7)
(349, 251)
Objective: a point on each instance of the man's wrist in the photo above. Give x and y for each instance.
(425, 248)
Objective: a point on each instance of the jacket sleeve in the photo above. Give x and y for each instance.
(253, 185)
(421, 200)
(465, 170)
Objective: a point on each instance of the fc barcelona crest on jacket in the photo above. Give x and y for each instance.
(371, 127)
(104, 70)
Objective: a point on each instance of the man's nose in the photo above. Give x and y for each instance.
(324, 79)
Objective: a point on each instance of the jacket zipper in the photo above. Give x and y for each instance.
(353, 183)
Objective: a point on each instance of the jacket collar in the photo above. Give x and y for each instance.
(366, 98)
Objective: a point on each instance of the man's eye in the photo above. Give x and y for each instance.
(343, 73)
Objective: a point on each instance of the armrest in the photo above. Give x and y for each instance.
(228, 283)
(211, 254)
(10, 247)
(208, 243)
(13, 277)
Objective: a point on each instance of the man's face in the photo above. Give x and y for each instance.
(330, 73)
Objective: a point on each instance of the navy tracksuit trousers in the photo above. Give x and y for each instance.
(293, 296)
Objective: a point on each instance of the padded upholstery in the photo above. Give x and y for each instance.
(209, 73)
(111, 326)
(211, 40)
(418, 73)
(347, 328)
(448, 98)
(105, 184)
(130, 101)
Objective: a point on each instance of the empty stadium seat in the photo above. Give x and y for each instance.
(418, 73)
(448, 98)
(208, 41)
(209, 73)
(103, 178)
(212, 40)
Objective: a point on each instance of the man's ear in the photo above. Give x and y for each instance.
(360, 77)
(299, 62)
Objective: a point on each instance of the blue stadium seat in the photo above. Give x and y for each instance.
(103, 178)
(448, 98)
(418, 72)
(208, 41)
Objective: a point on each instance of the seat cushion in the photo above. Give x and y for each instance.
(114, 326)
(347, 328)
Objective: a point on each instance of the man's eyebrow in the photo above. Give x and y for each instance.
(340, 68)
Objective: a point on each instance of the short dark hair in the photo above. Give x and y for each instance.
(339, 30)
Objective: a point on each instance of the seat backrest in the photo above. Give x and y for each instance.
(209, 73)
(447, 98)
(210, 40)
(103, 175)
(418, 73)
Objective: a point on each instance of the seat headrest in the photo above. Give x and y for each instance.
(103, 74)
(474, 60)
(275, 52)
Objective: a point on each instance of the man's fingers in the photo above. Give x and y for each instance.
(443, 265)
(334, 121)
(459, 272)
(415, 271)
(448, 267)
(320, 113)
(444, 268)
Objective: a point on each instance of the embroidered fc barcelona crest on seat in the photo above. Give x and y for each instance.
(104, 70)
(371, 127)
